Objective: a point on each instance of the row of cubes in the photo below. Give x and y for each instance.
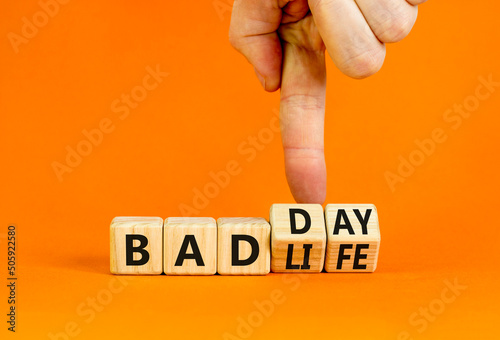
(297, 238)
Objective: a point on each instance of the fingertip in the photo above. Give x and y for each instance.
(269, 83)
(306, 177)
(311, 198)
(364, 65)
(272, 84)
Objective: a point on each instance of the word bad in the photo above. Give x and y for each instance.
(297, 238)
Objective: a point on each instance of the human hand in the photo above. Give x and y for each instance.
(285, 41)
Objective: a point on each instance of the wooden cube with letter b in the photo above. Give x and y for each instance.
(136, 245)
(353, 238)
(244, 247)
(298, 237)
(190, 246)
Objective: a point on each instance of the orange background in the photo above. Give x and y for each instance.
(440, 225)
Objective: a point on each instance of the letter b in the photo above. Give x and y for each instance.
(131, 249)
(94, 136)
(427, 146)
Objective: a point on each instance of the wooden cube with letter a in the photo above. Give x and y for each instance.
(243, 246)
(190, 246)
(136, 245)
(353, 238)
(298, 238)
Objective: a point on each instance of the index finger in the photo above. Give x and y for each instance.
(302, 111)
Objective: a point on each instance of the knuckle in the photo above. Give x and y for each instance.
(322, 5)
(314, 3)
(233, 39)
(396, 27)
(416, 2)
(364, 64)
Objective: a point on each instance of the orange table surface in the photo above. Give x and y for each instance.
(437, 275)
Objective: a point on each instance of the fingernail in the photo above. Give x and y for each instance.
(261, 78)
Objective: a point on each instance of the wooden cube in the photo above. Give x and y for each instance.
(298, 238)
(190, 246)
(353, 238)
(243, 246)
(136, 245)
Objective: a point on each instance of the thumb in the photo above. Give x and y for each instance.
(253, 33)
(302, 111)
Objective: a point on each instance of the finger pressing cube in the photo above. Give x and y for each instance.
(298, 238)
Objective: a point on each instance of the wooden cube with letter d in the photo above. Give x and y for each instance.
(244, 247)
(298, 238)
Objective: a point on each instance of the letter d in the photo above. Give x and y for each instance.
(94, 136)
(293, 223)
(266, 307)
(28, 30)
(222, 178)
(427, 146)
(73, 159)
(405, 169)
